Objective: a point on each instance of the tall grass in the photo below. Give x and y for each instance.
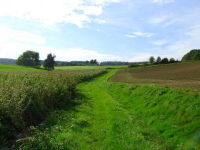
(26, 98)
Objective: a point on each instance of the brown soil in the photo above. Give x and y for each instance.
(178, 75)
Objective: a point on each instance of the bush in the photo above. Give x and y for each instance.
(164, 61)
(132, 65)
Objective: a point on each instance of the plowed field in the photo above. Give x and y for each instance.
(179, 75)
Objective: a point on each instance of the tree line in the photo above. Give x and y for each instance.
(165, 60)
(31, 59)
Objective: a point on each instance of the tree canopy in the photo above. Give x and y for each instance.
(29, 58)
(49, 62)
(193, 55)
(151, 59)
(158, 60)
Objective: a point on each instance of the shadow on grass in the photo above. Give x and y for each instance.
(57, 117)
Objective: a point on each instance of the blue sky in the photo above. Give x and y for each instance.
(106, 30)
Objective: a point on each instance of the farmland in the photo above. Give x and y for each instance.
(89, 67)
(178, 75)
(108, 115)
(97, 114)
(26, 98)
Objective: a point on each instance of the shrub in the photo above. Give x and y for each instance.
(132, 65)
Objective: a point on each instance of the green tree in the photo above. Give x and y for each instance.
(193, 55)
(151, 59)
(172, 60)
(158, 60)
(29, 58)
(164, 61)
(87, 62)
(49, 62)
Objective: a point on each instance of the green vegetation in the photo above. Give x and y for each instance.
(151, 59)
(49, 62)
(193, 55)
(114, 116)
(89, 67)
(26, 98)
(29, 58)
(16, 68)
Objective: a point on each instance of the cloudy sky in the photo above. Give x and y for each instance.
(115, 30)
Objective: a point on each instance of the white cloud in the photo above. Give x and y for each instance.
(162, 1)
(14, 49)
(92, 10)
(14, 42)
(100, 21)
(130, 36)
(144, 34)
(157, 20)
(8, 34)
(160, 42)
(37, 31)
(140, 57)
(50, 12)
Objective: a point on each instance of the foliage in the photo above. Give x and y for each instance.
(29, 58)
(144, 64)
(26, 98)
(113, 63)
(164, 61)
(193, 55)
(158, 60)
(151, 59)
(91, 62)
(89, 67)
(49, 62)
(131, 65)
(71, 63)
(172, 60)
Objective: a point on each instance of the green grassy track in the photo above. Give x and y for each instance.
(119, 116)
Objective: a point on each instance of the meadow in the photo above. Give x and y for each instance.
(16, 68)
(186, 75)
(97, 114)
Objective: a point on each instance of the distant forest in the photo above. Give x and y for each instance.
(71, 63)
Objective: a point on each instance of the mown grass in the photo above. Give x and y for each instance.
(121, 116)
(16, 68)
(26, 98)
(88, 67)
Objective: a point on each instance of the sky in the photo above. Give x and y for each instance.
(106, 30)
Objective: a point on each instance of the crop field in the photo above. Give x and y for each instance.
(56, 110)
(107, 115)
(89, 67)
(16, 68)
(178, 75)
(26, 98)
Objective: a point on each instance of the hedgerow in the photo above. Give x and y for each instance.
(26, 98)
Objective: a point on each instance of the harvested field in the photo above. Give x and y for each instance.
(178, 75)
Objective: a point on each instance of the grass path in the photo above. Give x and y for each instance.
(111, 125)
(104, 118)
